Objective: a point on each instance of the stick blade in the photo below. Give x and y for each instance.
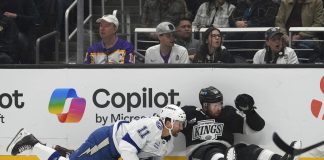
(281, 144)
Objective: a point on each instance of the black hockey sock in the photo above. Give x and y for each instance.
(276, 157)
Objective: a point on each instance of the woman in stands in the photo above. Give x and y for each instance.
(212, 50)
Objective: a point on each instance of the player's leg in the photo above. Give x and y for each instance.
(26, 142)
(254, 152)
(212, 151)
(63, 151)
(99, 145)
(231, 154)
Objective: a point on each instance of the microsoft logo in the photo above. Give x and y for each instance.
(76, 109)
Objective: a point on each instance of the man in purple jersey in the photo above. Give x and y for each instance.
(111, 49)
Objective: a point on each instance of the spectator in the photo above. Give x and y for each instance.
(8, 38)
(251, 13)
(212, 50)
(211, 127)
(213, 13)
(111, 49)
(143, 138)
(25, 15)
(156, 11)
(184, 37)
(275, 50)
(193, 6)
(166, 51)
(254, 13)
(301, 13)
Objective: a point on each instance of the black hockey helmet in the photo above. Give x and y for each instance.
(210, 95)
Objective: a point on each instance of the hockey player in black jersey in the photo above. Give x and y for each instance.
(209, 131)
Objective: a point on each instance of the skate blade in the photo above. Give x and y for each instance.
(14, 139)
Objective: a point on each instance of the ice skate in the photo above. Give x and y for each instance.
(23, 141)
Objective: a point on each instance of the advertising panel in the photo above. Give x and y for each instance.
(63, 106)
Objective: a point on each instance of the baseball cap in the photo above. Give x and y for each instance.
(272, 32)
(109, 18)
(165, 27)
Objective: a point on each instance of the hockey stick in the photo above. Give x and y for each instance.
(289, 149)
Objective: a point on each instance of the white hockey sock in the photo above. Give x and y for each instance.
(45, 153)
(217, 156)
(265, 155)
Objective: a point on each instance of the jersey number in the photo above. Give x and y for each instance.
(143, 131)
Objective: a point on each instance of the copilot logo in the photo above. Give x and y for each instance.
(76, 108)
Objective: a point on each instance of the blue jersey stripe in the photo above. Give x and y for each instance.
(128, 139)
(54, 156)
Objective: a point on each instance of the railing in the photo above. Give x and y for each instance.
(142, 30)
(304, 29)
(224, 30)
(140, 8)
(40, 39)
(233, 30)
(128, 27)
(122, 10)
(69, 36)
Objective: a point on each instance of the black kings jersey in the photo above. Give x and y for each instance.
(201, 127)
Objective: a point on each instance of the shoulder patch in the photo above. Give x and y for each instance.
(159, 125)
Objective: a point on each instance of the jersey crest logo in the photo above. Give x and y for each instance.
(207, 130)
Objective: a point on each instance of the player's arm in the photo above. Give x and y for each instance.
(128, 148)
(137, 136)
(245, 103)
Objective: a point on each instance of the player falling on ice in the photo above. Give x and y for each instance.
(209, 132)
(147, 137)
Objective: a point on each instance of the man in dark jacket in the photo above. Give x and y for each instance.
(251, 13)
(25, 15)
(8, 37)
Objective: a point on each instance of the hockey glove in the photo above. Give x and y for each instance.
(245, 103)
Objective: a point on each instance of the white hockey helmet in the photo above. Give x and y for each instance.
(173, 112)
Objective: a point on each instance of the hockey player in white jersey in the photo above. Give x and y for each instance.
(147, 137)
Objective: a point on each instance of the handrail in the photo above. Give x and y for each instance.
(67, 13)
(140, 8)
(122, 15)
(122, 10)
(304, 29)
(69, 36)
(138, 54)
(102, 7)
(250, 29)
(128, 27)
(46, 36)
